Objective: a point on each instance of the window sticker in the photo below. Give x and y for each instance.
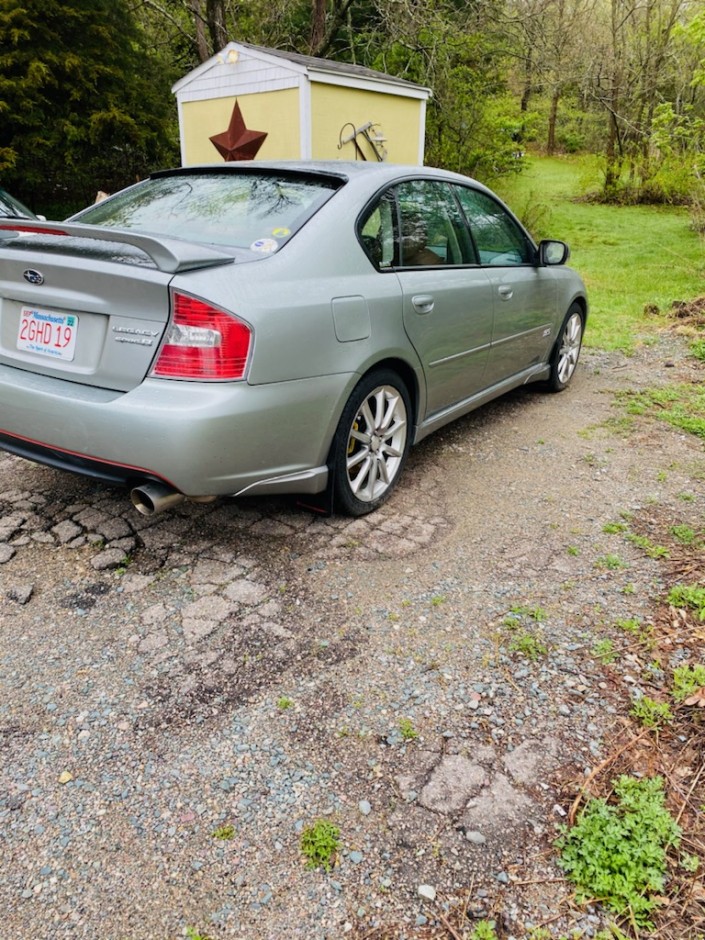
(281, 232)
(265, 245)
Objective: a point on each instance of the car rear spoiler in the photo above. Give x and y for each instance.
(170, 255)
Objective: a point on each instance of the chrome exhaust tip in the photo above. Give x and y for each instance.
(152, 498)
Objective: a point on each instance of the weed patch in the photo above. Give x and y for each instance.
(690, 596)
(319, 844)
(681, 406)
(617, 851)
(650, 713)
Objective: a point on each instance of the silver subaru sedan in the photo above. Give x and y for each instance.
(268, 328)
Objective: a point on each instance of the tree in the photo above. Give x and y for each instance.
(83, 104)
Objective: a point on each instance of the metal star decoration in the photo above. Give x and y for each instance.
(238, 143)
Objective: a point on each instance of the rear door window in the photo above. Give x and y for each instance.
(433, 231)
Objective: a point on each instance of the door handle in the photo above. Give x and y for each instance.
(505, 292)
(423, 303)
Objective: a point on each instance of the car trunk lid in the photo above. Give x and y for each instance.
(86, 304)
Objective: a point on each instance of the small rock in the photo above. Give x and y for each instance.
(475, 837)
(21, 593)
(6, 553)
(364, 807)
(65, 777)
(356, 857)
(110, 558)
(428, 892)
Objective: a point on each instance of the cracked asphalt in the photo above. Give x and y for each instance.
(182, 695)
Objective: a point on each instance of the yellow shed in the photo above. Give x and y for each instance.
(297, 107)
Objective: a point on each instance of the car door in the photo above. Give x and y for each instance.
(447, 296)
(524, 294)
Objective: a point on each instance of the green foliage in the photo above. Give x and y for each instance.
(684, 534)
(604, 651)
(628, 257)
(647, 546)
(224, 833)
(684, 595)
(529, 645)
(682, 406)
(689, 862)
(629, 625)
(686, 679)
(533, 613)
(616, 852)
(611, 562)
(611, 528)
(407, 730)
(319, 844)
(284, 702)
(650, 713)
(697, 349)
(86, 105)
(484, 931)
(193, 934)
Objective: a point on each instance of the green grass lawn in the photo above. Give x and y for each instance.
(628, 256)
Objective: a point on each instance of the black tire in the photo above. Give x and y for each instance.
(566, 353)
(371, 443)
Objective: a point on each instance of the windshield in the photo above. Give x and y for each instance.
(259, 211)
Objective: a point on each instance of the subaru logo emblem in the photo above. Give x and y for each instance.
(34, 277)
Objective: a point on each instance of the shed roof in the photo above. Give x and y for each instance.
(306, 64)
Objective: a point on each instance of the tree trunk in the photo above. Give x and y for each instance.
(215, 16)
(318, 24)
(202, 47)
(552, 117)
(528, 84)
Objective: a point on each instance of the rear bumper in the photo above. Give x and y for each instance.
(201, 439)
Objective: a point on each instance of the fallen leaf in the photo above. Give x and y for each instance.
(697, 698)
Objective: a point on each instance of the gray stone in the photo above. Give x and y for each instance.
(21, 592)
(110, 558)
(207, 608)
(476, 837)
(157, 613)
(246, 592)
(364, 807)
(427, 891)
(112, 529)
(208, 571)
(9, 525)
(195, 630)
(6, 553)
(531, 759)
(66, 531)
(454, 780)
(499, 804)
(152, 642)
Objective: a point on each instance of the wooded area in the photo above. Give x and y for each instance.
(85, 100)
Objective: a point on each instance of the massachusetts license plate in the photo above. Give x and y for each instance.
(48, 333)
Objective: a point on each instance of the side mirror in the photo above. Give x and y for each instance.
(553, 252)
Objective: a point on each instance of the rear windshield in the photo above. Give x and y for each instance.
(248, 210)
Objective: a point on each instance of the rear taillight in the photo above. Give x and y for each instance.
(203, 342)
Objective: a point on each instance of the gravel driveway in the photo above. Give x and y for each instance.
(182, 695)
